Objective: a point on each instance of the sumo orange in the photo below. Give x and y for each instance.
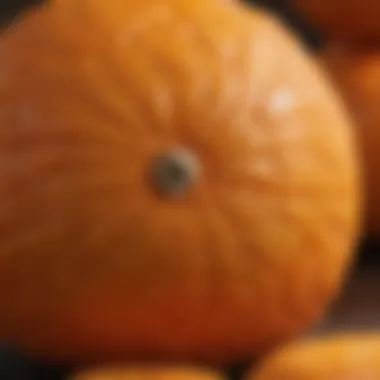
(179, 181)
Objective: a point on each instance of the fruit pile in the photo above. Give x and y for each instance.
(352, 59)
(180, 187)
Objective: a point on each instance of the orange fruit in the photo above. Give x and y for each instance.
(348, 20)
(356, 73)
(147, 373)
(339, 356)
(179, 181)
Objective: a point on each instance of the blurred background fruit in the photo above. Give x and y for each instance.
(148, 373)
(343, 356)
(346, 20)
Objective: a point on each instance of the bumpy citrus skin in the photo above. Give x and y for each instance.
(147, 373)
(343, 356)
(94, 262)
(347, 20)
(356, 73)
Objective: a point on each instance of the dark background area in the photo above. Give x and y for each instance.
(354, 309)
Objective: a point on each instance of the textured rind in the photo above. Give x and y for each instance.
(154, 372)
(356, 74)
(354, 21)
(92, 262)
(343, 356)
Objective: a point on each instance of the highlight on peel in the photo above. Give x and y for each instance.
(179, 181)
(148, 373)
(352, 21)
(356, 74)
(339, 356)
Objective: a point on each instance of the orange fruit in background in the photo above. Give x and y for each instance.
(356, 73)
(347, 20)
(178, 179)
(338, 356)
(147, 373)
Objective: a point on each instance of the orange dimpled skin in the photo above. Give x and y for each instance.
(341, 356)
(356, 73)
(147, 373)
(178, 180)
(347, 20)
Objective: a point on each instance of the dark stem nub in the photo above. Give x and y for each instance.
(174, 173)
